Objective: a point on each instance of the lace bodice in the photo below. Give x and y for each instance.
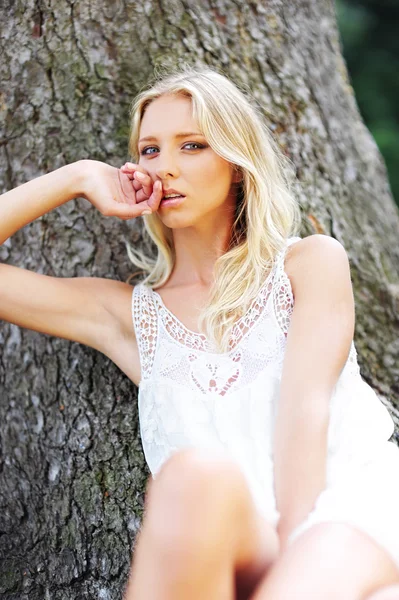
(257, 338)
(252, 347)
(192, 395)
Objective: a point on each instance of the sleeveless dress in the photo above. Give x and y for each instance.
(192, 395)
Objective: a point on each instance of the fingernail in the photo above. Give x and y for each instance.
(146, 212)
(139, 175)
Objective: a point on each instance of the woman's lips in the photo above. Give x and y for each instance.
(169, 202)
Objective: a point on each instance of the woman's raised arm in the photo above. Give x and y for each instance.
(109, 189)
(88, 310)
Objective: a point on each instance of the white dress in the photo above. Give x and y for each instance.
(191, 395)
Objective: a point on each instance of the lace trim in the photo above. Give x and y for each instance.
(145, 321)
(147, 304)
(215, 378)
(351, 364)
(283, 298)
(283, 303)
(198, 341)
(176, 329)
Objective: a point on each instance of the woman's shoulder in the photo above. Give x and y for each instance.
(313, 257)
(312, 249)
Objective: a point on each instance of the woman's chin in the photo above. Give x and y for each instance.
(175, 219)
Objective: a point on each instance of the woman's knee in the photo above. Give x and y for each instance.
(349, 564)
(195, 487)
(387, 593)
(196, 474)
(201, 505)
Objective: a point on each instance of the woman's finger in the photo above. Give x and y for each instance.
(141, 196)
(130, 168)
(146, 182)
(128, 190)
(155, 199)
(140, 179)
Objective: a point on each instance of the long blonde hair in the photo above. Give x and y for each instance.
(267, 212)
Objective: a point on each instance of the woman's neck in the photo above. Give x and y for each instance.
(197, 249)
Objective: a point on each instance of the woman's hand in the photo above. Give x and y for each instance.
(126, 193)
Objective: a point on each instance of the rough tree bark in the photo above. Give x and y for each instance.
(72, 472)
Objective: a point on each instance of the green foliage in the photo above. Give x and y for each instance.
(371, 49)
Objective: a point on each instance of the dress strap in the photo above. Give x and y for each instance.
(283, 300)
(280, 258)
(145, 321)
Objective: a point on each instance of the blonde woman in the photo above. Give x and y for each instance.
(270, 460)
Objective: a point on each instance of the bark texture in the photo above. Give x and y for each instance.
(72, 471)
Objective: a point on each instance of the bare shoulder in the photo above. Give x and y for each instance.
(316, 257)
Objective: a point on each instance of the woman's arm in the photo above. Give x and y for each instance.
(87, 310)
(25, 203)
(107, 188)
(318, 343)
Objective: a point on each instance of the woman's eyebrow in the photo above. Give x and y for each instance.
(178, 135)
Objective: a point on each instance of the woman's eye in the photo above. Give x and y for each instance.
(145, 152)
(194, 144)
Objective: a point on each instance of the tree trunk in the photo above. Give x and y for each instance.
(72, 471)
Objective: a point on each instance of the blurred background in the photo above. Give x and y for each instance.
(370, 36)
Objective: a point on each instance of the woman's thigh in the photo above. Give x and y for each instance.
(329, 561)
(200, 502)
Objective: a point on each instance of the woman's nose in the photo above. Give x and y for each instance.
(166, 167)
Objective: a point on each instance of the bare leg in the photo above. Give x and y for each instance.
(330, 561)
(388, 593)
(201, 530)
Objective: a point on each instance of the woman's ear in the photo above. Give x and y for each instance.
(237, 174)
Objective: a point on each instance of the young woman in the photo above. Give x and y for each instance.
(270, 460)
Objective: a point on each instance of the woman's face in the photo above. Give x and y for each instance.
(185, 163)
